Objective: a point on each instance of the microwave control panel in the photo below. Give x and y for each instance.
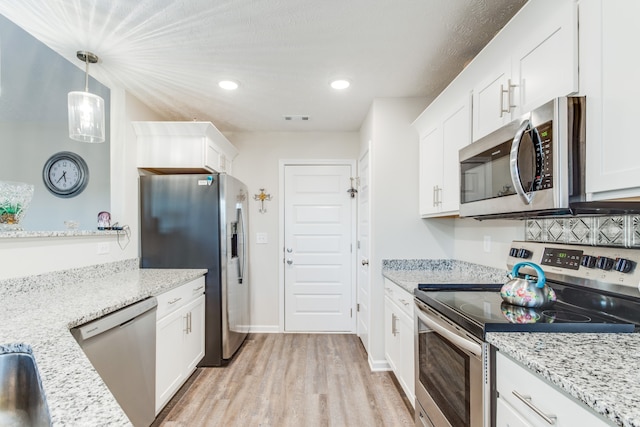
(545, 132)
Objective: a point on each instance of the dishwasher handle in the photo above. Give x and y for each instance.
(112, 320)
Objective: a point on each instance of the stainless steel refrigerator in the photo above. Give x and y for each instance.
(200, 221)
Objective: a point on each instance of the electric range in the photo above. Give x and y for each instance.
(597, 291)
(596, 288)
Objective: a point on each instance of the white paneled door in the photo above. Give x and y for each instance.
(364, 226)
(318, 257)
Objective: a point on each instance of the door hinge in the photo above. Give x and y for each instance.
(358, 244)
(351, 248)
(351, 312)
(358, 307)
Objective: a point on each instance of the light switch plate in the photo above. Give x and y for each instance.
(262, 238)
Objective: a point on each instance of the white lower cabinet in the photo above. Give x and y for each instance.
(179, 338)
(398, 336)
(609, 31)
(526, 400)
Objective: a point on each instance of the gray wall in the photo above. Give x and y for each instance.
(34, 82)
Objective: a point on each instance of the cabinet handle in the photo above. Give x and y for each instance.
(186, 324)
(508, 92)
(198, 289)
(403, 301)
(551, 419)
(437, 195)
(394, 320)
(175, 300)
(190, 318)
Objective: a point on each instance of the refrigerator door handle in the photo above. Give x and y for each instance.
(244, 243)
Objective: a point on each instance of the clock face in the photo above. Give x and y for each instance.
(65, 174)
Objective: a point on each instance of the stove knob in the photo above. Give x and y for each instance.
(623, 265)
(604, 263)
(588, 261)
(523, 253)
(513, 252)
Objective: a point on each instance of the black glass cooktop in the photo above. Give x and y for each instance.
(480, 310)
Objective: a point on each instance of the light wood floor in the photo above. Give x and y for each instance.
(291, 380)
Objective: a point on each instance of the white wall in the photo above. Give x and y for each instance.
(397, 231)
(28, 256)
(257, 166)
(469, 237)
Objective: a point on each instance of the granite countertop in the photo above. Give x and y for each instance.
(600, 370)
(38, 311)
(408, 273)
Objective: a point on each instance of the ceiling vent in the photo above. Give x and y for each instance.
(296, 118)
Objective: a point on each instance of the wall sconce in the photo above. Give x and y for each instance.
(261, 198)
(86, 110)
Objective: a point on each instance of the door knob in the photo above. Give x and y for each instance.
(289, 250)
(365, 262)
(289, 261)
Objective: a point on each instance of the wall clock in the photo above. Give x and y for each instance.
(65, 174)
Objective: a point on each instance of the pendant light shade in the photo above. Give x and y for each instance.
(86, 110)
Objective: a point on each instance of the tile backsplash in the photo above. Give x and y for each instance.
(623, 230)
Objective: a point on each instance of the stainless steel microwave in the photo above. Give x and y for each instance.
(530, 167)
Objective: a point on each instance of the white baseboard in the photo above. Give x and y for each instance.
(378, 365)
(264, 329)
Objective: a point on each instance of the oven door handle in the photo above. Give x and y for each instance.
(468, 345)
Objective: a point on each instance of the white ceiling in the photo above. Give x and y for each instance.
(171, 53)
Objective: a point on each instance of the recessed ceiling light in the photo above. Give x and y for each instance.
(340, 84)
(228, 84)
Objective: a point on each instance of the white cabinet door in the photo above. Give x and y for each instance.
(391, 338)
(538, 61)
(609, 69)
(194, 335)
(430, 171)
(536, 402)
(406, 362)
(456, 133)
(170, 373)
(545, 64)
(399, 339)
(492, 100)
(439, 178)
(179, 337)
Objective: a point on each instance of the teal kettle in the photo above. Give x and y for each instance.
(525, 290)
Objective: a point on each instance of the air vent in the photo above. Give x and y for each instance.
(296, 117)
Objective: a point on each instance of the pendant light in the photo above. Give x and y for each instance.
(86, 110)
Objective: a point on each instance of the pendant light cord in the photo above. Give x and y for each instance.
(86, 75)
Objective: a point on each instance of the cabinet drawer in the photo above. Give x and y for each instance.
(172, 300)
(399, 296)
(513, 380)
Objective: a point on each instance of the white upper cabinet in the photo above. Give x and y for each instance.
(492, 99)
(609, 34)
(444, 129)
(531, 61)
(183, 147)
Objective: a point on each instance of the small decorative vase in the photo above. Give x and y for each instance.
(15, 198)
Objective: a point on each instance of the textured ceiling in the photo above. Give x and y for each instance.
(171, 53)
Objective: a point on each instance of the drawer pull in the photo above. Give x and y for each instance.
(403, 301)
(198, 289)
(551, 419)
(175, 300)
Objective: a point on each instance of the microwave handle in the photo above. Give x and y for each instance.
(513, 163)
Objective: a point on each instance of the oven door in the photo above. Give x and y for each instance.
(449, 373)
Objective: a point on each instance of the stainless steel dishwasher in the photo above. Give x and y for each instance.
(122, 347)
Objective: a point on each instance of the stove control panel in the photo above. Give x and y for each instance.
(590, 265)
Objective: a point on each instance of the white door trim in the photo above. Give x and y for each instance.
(310, 162)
